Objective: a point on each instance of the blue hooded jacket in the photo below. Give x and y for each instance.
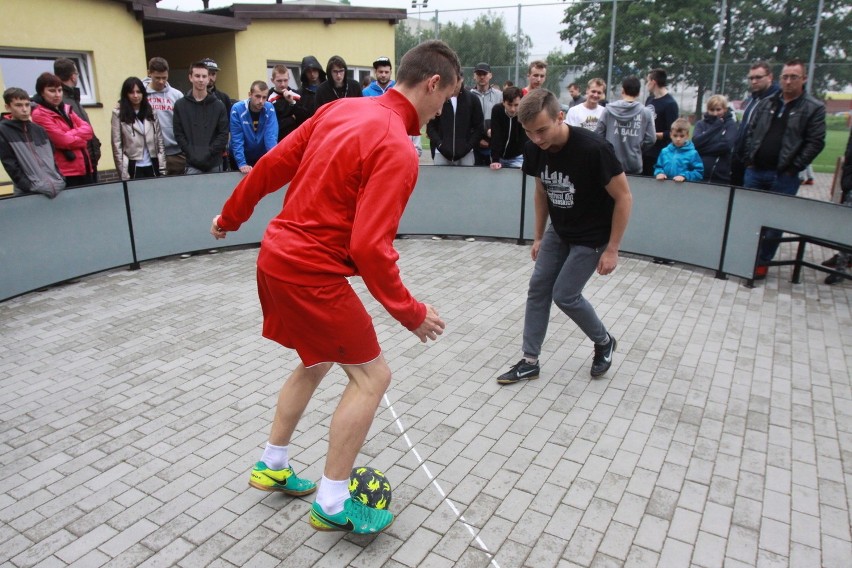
(683, 161)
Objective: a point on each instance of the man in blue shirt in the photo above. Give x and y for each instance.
(254, 127)
(383, 82)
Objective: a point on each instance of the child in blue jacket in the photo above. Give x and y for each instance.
(679, 160)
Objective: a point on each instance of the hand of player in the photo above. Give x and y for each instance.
(215, 230)
(432, 326)
(661, 176)
(608, 261)
(245, 169)
(496, 165)
(534, 250)
(679, 178)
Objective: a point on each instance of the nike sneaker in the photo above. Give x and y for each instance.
(355, 517)
(518, 372)
(603, 357)
(284, 480)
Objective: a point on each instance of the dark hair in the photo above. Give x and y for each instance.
(796, 62)
(575, 85)
(14, 93)
(432, 57)
(46, 80)
(511, 93)
(335, 61)
(536, 101)
(198, 65)
(631, 86)
(158, 65)
(761, 64)
(658, 76)
(64, 68)
(126, 112)
(261, 86)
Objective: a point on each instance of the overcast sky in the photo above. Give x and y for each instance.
(541, 23)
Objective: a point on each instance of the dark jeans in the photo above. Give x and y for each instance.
(73, 181)
(778, 182)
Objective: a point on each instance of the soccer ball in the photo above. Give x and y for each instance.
(370, 486)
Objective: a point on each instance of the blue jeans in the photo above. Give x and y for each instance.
(771, 180)
(561, 271)
(516, 162)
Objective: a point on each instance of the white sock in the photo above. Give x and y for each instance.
(531, 360)
(332, 494)
(275, 457)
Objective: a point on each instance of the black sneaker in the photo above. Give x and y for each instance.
(603, 357)
(519, 371)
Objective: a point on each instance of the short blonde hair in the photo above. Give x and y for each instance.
(717, 101)
(681, 125)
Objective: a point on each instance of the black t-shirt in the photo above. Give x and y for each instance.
(766, 157)
(255, 119)
(575, 178)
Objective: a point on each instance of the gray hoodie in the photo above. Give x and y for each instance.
(629, 127)
(163, 103)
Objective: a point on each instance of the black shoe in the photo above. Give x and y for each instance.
(519, 371)
(603, 357)
(833, 279)
(657, 260)
(831, 262)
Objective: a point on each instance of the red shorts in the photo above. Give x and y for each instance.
(322, 323)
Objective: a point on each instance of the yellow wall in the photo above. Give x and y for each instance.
(103, 28)
(114, 38)
(358, 42)
(180, 53)
(242, 57)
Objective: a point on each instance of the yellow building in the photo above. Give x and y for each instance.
(113, 39)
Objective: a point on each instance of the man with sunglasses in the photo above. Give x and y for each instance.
(784, 134)
(761, 86)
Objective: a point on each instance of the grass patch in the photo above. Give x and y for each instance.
(836, 136)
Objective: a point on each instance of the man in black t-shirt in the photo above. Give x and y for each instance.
(580, 186)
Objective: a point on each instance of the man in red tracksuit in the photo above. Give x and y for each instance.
(351, 169)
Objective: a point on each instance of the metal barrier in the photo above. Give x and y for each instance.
(91, 229)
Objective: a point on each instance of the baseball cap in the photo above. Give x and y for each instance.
(211, 65)
(482, 67)
(381, 62)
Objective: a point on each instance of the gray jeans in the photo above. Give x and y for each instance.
(561, 271)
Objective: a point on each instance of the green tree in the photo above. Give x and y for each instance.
(681, 37)
(486, 39)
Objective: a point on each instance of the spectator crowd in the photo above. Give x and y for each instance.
(47, 142)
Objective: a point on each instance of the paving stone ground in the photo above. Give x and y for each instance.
(133, 404)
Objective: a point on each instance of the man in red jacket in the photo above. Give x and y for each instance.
(351, 169)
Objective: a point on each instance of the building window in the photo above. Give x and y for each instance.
(21, 68)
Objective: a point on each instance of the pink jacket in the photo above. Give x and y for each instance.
(67, 139)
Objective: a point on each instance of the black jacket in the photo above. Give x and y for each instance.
(201, 130)
(327, 92)
(714, 140)
(289, 116)
(27, 155)
(804, 137)
(455, 133)
(71, 97)
(507, 135)
(308, 102)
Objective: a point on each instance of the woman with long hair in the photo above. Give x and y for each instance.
(69, 133)
(137, 143)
